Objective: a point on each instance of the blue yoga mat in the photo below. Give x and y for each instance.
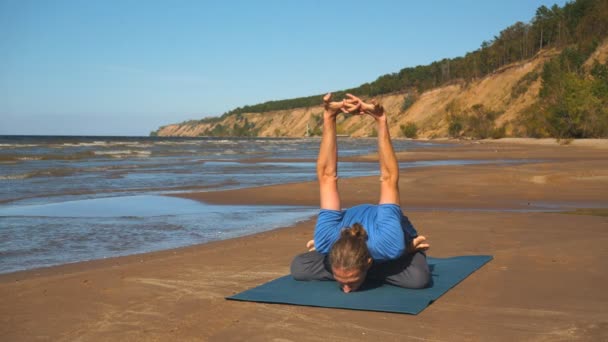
(446, 273)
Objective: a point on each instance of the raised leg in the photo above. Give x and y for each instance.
(327, 161)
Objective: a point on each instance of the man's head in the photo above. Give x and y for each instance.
(350, 258)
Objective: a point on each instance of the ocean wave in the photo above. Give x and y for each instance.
(71, 156)
(33, 157)
(139, 145)
(17, 145)
(179, 152)
(101, 143)
(119, 167)
(123, 153)
(83, 144)
(41, 173)
(227, 142)
(200, 142)
(29, 158)
(12, 177)
(170, 143)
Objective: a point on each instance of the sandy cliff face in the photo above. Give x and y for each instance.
(508, 91)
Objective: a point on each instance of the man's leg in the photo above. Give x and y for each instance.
(311, 266)
(410, 271)
(314, 265)
(389, 167)
(327, 161)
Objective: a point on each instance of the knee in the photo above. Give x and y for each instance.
(420, 278)
(298, 269)
(309, 266)
(415, 276)
(420, 272)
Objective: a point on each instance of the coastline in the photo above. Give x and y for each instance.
(522, 294)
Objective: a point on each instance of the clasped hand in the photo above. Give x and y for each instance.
(352, 105)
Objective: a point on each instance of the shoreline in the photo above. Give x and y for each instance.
(523, 294)
(474, 149)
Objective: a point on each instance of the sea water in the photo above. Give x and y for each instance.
(69, 199)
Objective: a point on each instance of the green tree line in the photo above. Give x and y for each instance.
(582, 22)
(577, 28)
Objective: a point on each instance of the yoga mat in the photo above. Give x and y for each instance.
(446, 273)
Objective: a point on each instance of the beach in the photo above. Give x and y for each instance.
(546, 283)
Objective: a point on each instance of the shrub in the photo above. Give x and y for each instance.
(524, 83)
(477, 123)
(409, 130)
(315, 123)
(480, 123)
(533, 123)
(499, 132)
(408, 101)
(455, 126)
(373, 133)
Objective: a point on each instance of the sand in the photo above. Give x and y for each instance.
(546, 283)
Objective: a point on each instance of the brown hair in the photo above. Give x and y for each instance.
(350, 251)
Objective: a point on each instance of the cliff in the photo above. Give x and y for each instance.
(506, 93)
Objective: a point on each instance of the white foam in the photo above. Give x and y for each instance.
(81, 144)
(196, 142)
(104, 144)
(29, 158)
(123, 153)
(17, 145)
(18, 176)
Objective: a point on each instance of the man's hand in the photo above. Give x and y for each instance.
(354, 104)
(332, 109)
(418, 244)
(311, 245)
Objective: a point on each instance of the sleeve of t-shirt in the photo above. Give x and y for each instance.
(408, 228)
(327, 230)
(389, 239)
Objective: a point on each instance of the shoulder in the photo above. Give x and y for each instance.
(390, 210)
(361, 208)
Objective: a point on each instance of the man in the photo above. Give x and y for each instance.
(365, 242)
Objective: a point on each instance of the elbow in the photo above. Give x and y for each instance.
(391, 254)
(393, 248)
(320, 244)
(396, 254)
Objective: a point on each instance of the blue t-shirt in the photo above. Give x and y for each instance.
(388, 230)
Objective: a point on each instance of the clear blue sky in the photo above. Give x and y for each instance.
(126, 67)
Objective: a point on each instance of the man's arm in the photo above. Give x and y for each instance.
(327, 161)
(389, 168)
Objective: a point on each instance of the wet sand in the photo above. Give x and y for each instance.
(546, 283)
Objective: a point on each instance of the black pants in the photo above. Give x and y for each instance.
(409, 271)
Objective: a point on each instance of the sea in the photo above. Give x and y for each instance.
(66, 199)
